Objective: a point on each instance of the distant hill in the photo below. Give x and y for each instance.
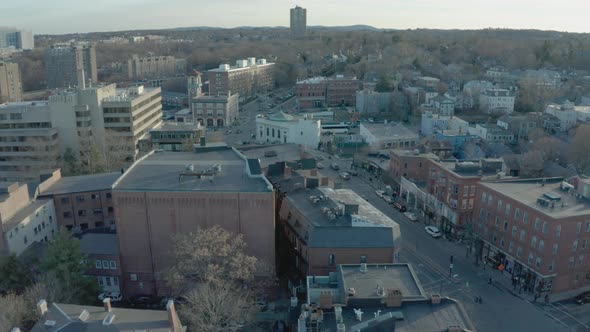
(358, 27)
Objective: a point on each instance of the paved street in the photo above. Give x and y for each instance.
(500, 310)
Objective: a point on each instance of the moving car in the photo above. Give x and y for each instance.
(114, 296)
(144, 301)
(345, 176)
(388, 199)
(353, 172)
(412, 216)
(583, 298)
(433, 231)
(380, 193)
(335, 166)
(319, 165)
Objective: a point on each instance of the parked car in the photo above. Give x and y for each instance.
(319, 165)
(144, 301)
(412, 216)
(345, 176)
(388, 199)
(380, 193)
(399, 207)
(583, 298)
(335, 166)
(270, 153)
(353, 172)
(114, 296)
(433, 231)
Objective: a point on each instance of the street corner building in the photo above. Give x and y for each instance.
(168, 193)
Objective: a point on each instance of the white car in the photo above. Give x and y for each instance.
(433, 231)
(114, 296)
(319, 165)
(411, 216)
(388, 199)
(345, 176)
(380, 193)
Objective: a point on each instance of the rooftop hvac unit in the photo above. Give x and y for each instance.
(189, 167)
(340, 327)
(84, 315)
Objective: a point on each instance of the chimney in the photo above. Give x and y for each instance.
(287, 172)
(107, 304)
(41, 307)
(172, 317)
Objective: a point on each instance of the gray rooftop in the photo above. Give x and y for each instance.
(386, 276)
(82, 183)
(390, 130)
(284, 152)
(66, 319)
(170, 171)
(24, 212)
(99, 244)
(528, 191)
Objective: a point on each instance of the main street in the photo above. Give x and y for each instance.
(430, 258)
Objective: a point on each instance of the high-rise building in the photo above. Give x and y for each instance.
(70, 65)
(153, 66)
(246, 78)
(298, 21)
(11, 88)
(15, 38)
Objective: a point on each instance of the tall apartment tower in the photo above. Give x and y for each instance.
(19, 39)
(11, 88)
(298, 21)
(63, 63)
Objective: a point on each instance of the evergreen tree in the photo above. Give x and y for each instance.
(384, 84)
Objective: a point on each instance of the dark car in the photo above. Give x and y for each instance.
(583, 298)
(399, 207)
(144, 301)
(353, 172)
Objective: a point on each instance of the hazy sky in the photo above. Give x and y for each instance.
(65, 16)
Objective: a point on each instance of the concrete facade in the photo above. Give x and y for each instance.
(64, 64)
(388, 135)
(247, 78)
(431, 123)
(24, 219)
(215, 110)
(17, 39)
(150, 210)
(11, 88)
(284, 128)
(298, 21)
(153, 66)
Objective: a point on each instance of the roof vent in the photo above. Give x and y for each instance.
(84, 315)
(108, 320)
(50, 323)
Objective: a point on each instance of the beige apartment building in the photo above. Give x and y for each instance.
(65, 63)
(538, 230)
(168, 193)
(28, 142)
(154, 66)
(215, 110)
(11, 89)
(246, 78)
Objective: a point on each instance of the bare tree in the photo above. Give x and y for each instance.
(531, 164)
(14, 312)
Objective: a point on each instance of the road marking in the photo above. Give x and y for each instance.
(568, 314)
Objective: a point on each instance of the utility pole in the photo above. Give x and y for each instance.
(451, 267)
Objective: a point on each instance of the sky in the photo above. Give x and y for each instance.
(70, 16)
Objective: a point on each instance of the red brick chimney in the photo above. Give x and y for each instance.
(172, 317)
(107, 304)
(287, 172)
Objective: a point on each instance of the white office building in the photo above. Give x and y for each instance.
(284, 128)
(498, 101)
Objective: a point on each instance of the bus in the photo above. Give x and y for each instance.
(335, 128)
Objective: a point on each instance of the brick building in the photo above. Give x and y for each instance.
(247, 78)
(321, 227)
(167, 193)
(410, 164)
(538, 229)
(102, 250)
(215, 110)
(82, 202)
(321, 92)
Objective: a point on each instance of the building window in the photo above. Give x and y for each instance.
(537, 224)
(496, 221)
(110, 209)
(65, 200)
(98, 264)
(525, 217)
(80, 198)
(518, 251)
(133, 277)
(555, 248)
(507, 209)
(514, 231)
(494, 238)
(551, 266)
(587, 226)
(575, 245)
(363, 258)
(538, 262)
(505, 225)
(516, 213)
(541, 245)
(584, 244)
(94, 196)
(545, 227)
(97, 211)
(113, 265)
(580, 259)
(579, 227)
(531, 257)
(558, 231)
(572, 262)
(84, 226)
(82, 213)
(67, 214)
(499, 205)
(534, 242)
(98, 224)
(522, 234)
(502, 241)
(510, 246)
(331, 259)
(109, 195)
(490, 200)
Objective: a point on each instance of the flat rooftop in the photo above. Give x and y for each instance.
(167, 171)
(385, 276)
(390, 130)
(528, 191)
(176, 126)
(282, 152)
(82, 183)
(413, 154)
(24, 212)
(99, 244)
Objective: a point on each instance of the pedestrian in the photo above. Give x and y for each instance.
(489, 280)
(480, 300)
(546, 298)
